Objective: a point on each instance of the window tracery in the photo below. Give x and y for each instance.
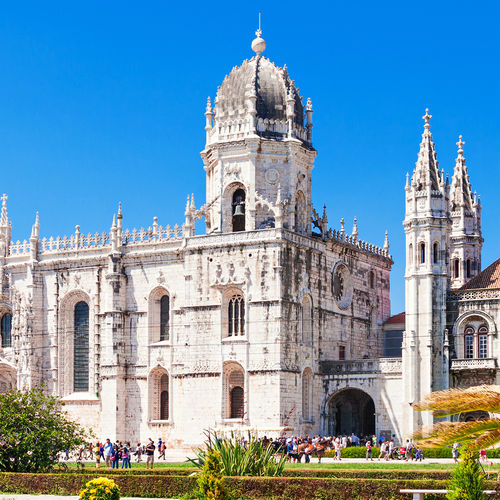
(81, 347)
(236, 316)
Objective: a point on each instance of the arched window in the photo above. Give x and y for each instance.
(159, 394)
(422, 253)
(159, 315)
(236, 316)
(5, 329)
(468, 268)
(482, 341)
(456, 268)
(164, 317)
(238, 210)
(81, 347)
(410, 254)
(300, 212)
(469, 342)
(372, 279)
(234, 390)
(164, 397)
(307, 394)
(307, 321)
(435, 253)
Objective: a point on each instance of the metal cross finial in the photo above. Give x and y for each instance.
(460, 144)
(427, 116)
(259, 31)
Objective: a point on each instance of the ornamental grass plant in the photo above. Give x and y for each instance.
(241, 457)
(467, 480)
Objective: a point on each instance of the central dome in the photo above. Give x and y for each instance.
(258, 87)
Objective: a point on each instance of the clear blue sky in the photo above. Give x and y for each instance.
(104, 101)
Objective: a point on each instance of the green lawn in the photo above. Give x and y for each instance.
(411, 466)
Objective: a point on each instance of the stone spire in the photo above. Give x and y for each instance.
(355, 229)
(35, 230)
(426, 174)
(4, 218)
(461, 192)
(386, 242)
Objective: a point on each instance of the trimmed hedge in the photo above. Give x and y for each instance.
(300, 488)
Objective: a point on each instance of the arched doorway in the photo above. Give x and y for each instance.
(350, 410)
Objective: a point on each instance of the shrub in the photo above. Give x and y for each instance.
(211, 482)
(101, 488)
(467, 480)
(34, 429)
(241, 459)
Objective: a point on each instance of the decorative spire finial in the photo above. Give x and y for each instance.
(120, 210)
(386, 242)
(427, 118)
(460, 145)
(258, 45)
(355, 228)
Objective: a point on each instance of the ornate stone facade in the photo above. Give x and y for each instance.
(268, 321)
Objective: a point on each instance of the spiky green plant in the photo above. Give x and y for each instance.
(241, 458)
(477, 434)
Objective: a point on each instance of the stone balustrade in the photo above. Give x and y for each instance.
(473, 364)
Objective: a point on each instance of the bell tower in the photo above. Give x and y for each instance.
(258, 155)
(466, 240)
(427, 226)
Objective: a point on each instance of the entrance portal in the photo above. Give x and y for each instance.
(350, 410)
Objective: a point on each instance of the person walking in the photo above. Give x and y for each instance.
(454, 452)
(150, 454)
(161, 448)
(369, 450)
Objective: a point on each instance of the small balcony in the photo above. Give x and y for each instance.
(471, 364)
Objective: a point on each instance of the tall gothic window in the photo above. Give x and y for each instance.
(456, 268)
(164, 397)
(238, 210)
(468, 268)
(482, 341)
(234, 391)
(372, 279)
(469, 342)
(236, 316)
(422, 253)
(164, 317)
(307, 321)
(435, 253)
(307, 394)
(81, 347)
(5, 330)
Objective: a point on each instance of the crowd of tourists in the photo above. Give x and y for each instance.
(120, 453)
(306, 447)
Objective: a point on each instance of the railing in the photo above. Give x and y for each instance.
(78, 241)
(473, 364)
(382, 365)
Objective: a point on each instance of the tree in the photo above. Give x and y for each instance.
(34, 429)
(467, 480)
(477, 434)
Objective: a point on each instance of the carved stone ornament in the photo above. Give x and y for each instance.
(342, 285)
(272, 175)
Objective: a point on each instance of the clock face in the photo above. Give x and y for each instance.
(342, 285)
